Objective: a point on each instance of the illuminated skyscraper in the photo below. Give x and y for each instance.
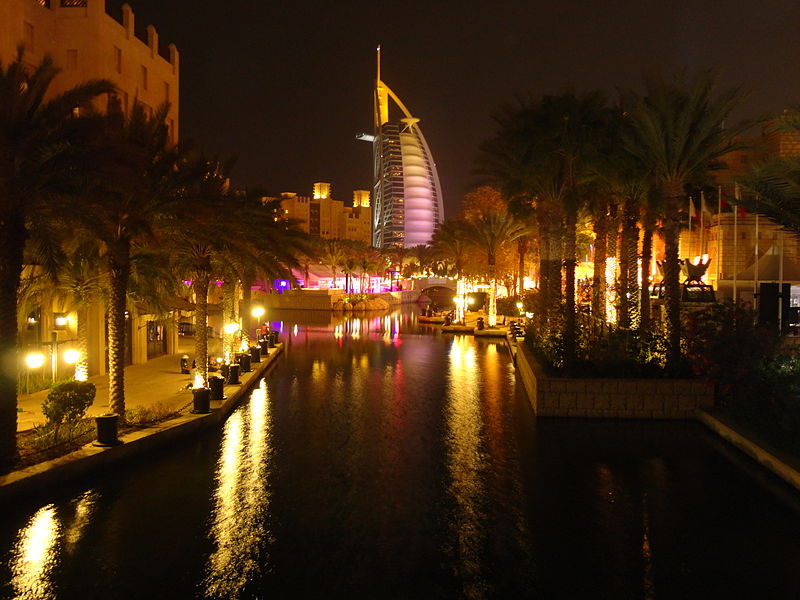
(407, 196)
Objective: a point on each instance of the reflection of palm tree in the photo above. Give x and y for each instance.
(677, 130)
(37, 139)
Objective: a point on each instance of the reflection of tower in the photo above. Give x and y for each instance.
(407, 197)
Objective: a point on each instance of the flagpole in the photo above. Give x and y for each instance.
(702, 223)
(755, 276)
(735, 237)
(719, 232)
(780, 283)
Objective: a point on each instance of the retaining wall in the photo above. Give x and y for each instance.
(610, 398)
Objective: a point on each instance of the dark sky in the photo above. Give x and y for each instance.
(284, 86)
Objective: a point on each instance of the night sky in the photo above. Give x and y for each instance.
(285, 86)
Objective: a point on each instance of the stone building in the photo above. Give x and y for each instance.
(324, 216)
(86, 42)
(735, 239)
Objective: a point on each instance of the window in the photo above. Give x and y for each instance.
(72, 60)
(117, 59)
(144, 77)
(28, 33)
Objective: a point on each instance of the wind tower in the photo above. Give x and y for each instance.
(407, 197)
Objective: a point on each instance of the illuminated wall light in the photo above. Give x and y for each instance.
(231, 328)
(258, 312)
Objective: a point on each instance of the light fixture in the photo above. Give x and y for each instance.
(60, 321)
(231, 328)
(34, 360)
(71, 356)
(258, 312)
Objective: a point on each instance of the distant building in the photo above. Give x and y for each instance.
(735, 239)
(324, 216)
(407, 205)
(88, 43)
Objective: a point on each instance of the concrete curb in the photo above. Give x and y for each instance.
(136, 442)
(764, 457)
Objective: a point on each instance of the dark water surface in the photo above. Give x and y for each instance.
(382, 459)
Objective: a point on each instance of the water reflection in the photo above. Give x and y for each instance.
(41, 544)
(239, 528)
(465, 462)
(36, 555)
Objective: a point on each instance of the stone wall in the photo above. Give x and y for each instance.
(610, 398)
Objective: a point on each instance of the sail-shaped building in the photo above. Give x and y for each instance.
(407, 195)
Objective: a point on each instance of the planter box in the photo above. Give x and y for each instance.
(610, 398)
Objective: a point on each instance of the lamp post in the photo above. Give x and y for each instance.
(71, 357)
(34, 360)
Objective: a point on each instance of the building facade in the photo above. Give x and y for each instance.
(407, 205)
(86, 42)
(323, 216)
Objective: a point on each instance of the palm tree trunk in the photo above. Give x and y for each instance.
(491, 311)
(200, 285)
(12, 241)
(228, 316)
(522, 250)
(247, 317)
(82, 366)
(628, 258)
(569, 287)
(647, 257)
(673, 193)
(600, 256)
(119, 273)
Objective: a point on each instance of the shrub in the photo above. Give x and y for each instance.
(68, 401)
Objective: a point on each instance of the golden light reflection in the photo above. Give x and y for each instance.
(464, 459)
(241, 500)
(35, 556)
(84, 508)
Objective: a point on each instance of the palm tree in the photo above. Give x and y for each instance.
(450, 244)
(37, 138)
(489, 231)
(333, 253)
(133, 196)
(677, 130)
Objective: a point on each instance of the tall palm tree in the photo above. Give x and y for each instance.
(677, 130)
(489, 231)
(450, 243)
(133, 196)
(37, 138)
(332, 255)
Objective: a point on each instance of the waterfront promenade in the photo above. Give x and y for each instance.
(158, 382)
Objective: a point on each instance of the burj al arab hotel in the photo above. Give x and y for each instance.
(407, 196)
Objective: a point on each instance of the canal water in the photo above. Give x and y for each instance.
(382, 459)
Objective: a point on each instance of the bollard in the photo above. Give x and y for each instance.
(255, 354)
(479, 323)
(244, 363)
(274, 335)
(107, 430)
(233, 375)
(217, 387)
(202, 401)
(224, 370)
(185, 364)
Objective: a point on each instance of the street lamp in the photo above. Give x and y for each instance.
(34, 360)
(258, 312)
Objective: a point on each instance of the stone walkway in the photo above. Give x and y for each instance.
(157, 382)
